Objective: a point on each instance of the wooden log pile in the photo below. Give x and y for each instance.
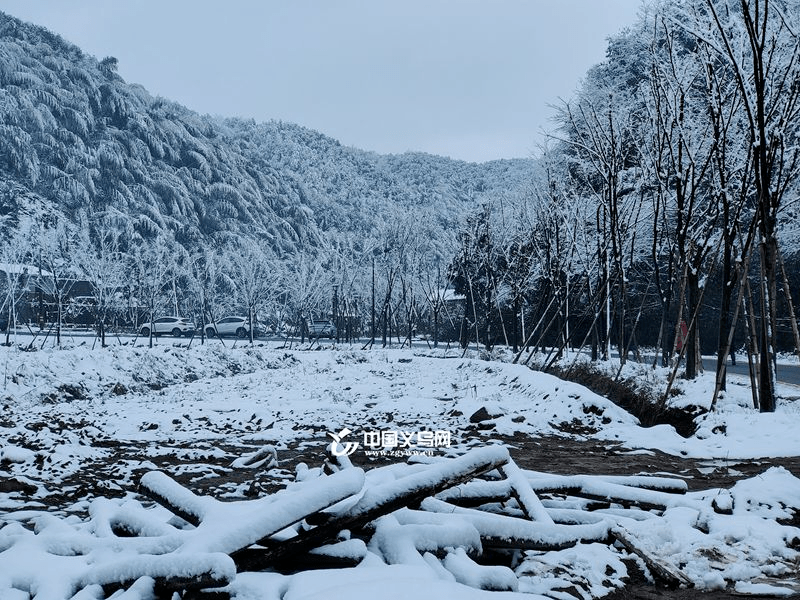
(447, 513)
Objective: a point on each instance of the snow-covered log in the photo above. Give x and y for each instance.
(404, 543)
(266, 456)
(171, 572)
(477, 492)
(500, 531)
(173, 496)
(597, 488)
(524, 495)
(468, 572)
(669, 485)
(133, 519)
(225, 531)
(339, 555)
(661, 571)
(383, 499)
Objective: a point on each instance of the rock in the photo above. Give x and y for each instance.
(482, 414)
(13, 485)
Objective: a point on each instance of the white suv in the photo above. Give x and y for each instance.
(177, 326)
(237, 326)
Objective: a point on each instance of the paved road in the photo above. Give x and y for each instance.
(785, 373)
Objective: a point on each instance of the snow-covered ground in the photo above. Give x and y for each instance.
(65, 411)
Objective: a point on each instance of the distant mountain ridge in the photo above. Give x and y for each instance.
(77, 139)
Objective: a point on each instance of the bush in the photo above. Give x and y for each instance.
(644, 403)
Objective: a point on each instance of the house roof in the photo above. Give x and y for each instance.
(20, 268)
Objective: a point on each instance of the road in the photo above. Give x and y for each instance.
(785, 373)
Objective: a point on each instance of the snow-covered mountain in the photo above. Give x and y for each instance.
(75, 138)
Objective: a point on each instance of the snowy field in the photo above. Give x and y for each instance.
(199, 411)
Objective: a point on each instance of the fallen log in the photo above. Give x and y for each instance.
(661, 571)
(594, 488)
(501, 531)
(467, 572)
(385, 498)
(170, 572)
(404, 543)
(132, 519)
(174, 497)
(524, 495)
(669, 485)
(341, 555)
(266, 456)
(477, 492)
(233, 529)
(249, 522)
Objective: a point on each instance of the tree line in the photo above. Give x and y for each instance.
(672, 171)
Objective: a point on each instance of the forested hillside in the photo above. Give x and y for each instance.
(77, 137)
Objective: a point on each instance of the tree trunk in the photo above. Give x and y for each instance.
(728, 280)
(752, 344)
(787, 290)
(690, 349)
(769, 294)
(515, 332)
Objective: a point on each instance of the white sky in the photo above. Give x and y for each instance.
(470, 79)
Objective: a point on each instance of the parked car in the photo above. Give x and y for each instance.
(234, 325)
(177, 326)
(319, 329)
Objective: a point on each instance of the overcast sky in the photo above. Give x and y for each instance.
(470, 79)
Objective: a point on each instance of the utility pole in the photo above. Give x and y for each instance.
(336, 310)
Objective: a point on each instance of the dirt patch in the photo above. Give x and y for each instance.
(629, 395)
(567, 456)
(205, 466)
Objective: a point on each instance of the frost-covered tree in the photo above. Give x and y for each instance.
(761, 41)
(15, 252)
(206, 284)
(251, 276)
(102, 264)
(154, 265)
(55, 245)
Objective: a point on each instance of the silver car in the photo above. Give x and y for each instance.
(319, 329)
